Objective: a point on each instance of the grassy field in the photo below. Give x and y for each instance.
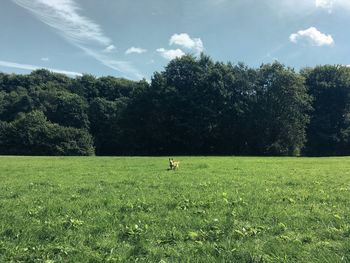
(215, 209)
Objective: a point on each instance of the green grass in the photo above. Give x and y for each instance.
(215, 209)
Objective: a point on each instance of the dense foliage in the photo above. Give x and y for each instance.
(194, 106)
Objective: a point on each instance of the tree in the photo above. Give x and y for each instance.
(195, 106)
(187, 110)
(329, 87)
(32, 134)
(234, 129)
(281, 112)
(13, 102)
(85, 86)
(104, 116)
(65, 108)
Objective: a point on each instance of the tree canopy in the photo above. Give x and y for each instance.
(195, 106)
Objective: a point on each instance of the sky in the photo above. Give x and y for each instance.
(135, 38)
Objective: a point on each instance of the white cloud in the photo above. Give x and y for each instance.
(109, 49)
(170, 53)
(33, 67)
(331, 4)
(326, 4)
(45, 59)
(183, 40)
(186, 41)
(300, 9)
(82, 32)
(342, 3)
(312, 36)
(136, 50)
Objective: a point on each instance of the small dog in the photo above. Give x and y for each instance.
(173, 165)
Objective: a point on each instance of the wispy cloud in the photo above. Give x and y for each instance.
(170, 53)
(8, 64)
(304, 8)
(326, 4)
(118, 65)
(331, 4)
(45, 59)
(136, 50)
(64, 16)
(109, 49)
(312, 36)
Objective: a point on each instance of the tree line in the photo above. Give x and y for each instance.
(195, 106)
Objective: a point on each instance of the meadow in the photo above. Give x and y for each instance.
(213, 209)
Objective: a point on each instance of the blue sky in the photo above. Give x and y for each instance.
(134, 38)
